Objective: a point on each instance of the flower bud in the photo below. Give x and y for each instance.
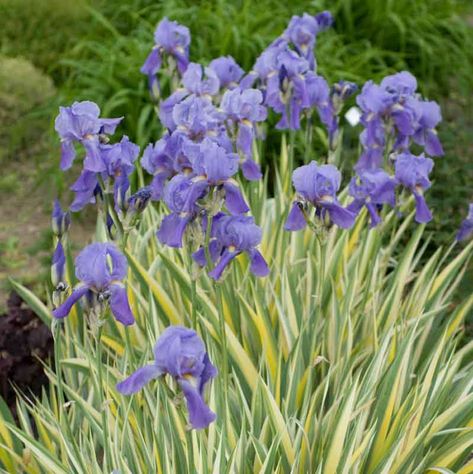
(57, 267)
(60, 221)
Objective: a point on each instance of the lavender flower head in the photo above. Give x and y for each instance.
(244, 108)
(317, 185)
(372, 189)
(466, 228)
(180, 353)
(81, 123)
(231, 236)
(413, 172)
(180, 195)
(170, 39)
(302, 32)
(227, 70)
(100, 267)
(394, 111)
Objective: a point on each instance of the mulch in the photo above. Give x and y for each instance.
(24, 341)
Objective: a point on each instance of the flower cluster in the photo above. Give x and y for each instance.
(211, 125)
(286, 74)
(394, 117)
(111, 163)
(180, 353)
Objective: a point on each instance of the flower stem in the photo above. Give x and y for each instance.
(103, 408)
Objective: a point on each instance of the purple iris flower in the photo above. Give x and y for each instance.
(58, 266)
(81, 123)
(228, 71)
(230, 236)
(413, 173)
(119, 158)
(60, 220)
(318, 185)
(118, 161)
(286, 88)
(244, 109)
(466, 227)
(302, 32)
(180, 353)
(215, 167)
(180, 195)
(372, 188)
(319, 95)
(157, 162)
(100, 267)
(194, 116)
(171, 39)
(393, 109)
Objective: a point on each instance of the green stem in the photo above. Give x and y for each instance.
(103, 408)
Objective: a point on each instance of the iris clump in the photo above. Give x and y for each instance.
(202, 176)
(180, 353)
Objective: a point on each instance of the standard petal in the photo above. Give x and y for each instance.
(63, 310)
(120, 306)
(295, 219)
(137, 380)
(200, 415)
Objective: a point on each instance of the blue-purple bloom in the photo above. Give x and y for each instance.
(413, 172)
(243, 109)
(227, 70)
(81, 123)
(214, 166)
(318, 185)
(60, 220)
(230, 236)
(393, 110)
(302, 32)
(171, 39)
(180, 353)
(181, 196)
(158, 162)
(372, 189)
(100, 267)
(466, 227)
